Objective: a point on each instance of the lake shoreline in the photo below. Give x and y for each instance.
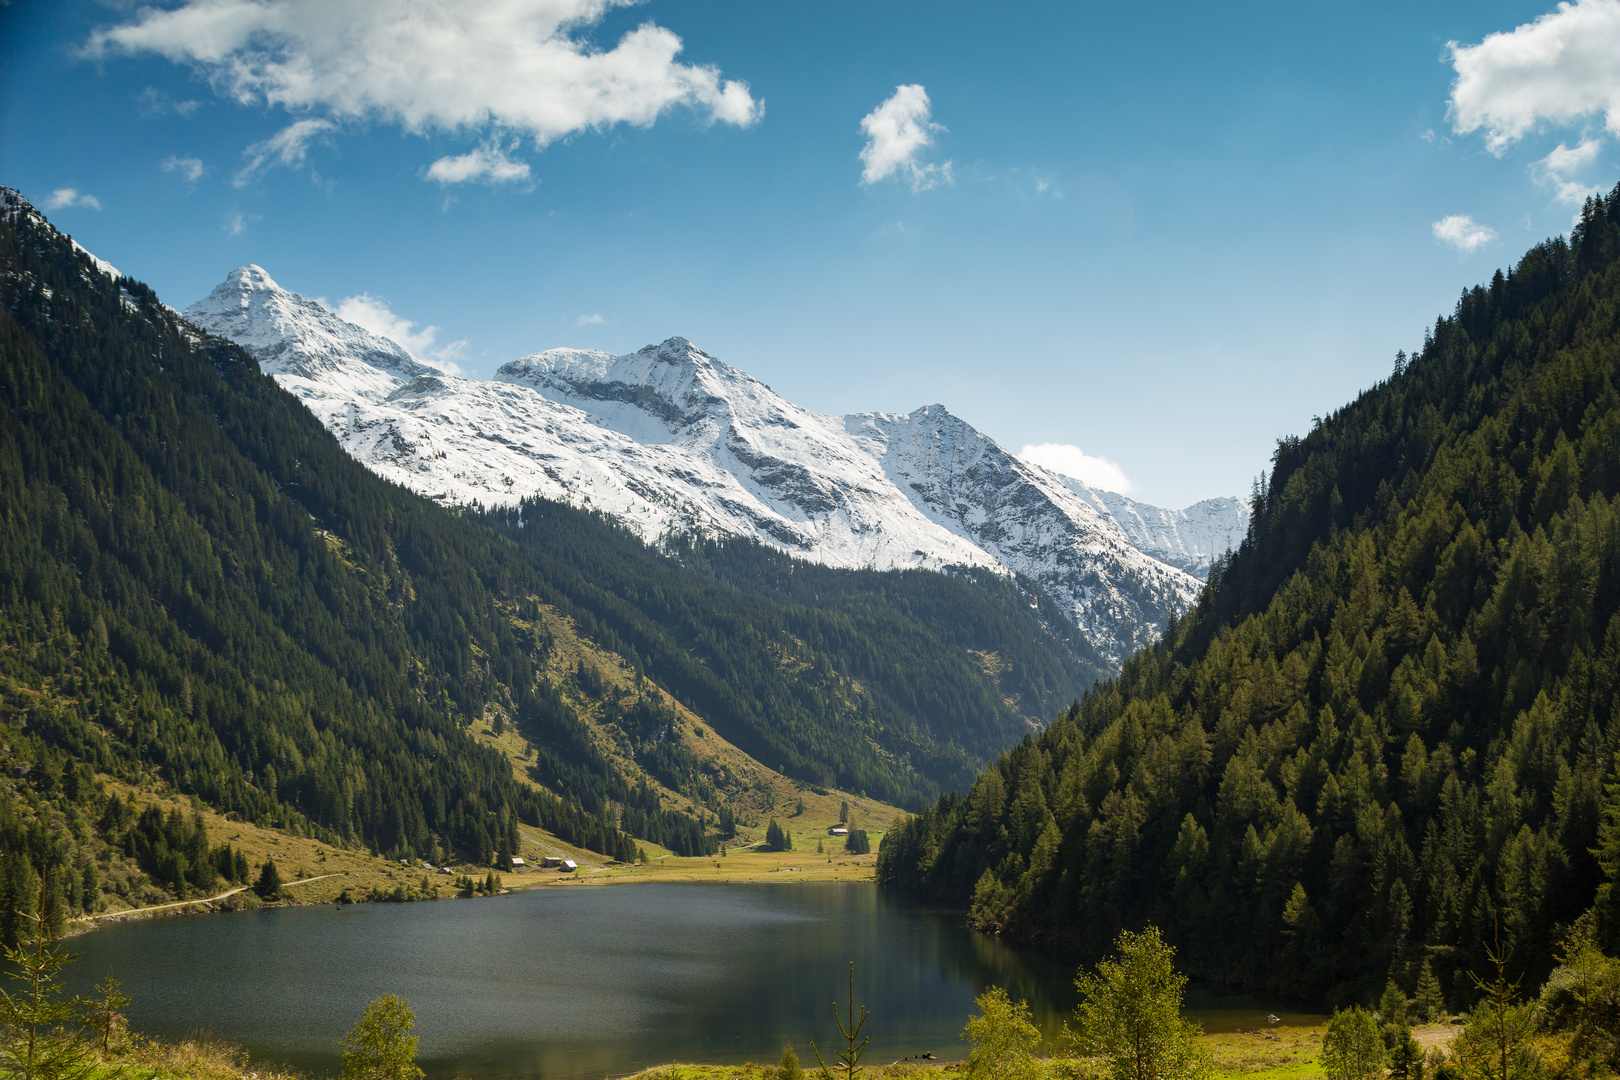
(740, 867)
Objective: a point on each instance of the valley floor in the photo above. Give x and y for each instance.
(314, 872)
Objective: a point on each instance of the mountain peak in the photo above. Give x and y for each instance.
(671, 438)
(291, 335)
(250, 277)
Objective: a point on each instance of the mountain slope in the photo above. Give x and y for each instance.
(200, 585)
(1190, 539)
(1387, 736)
(669, 439)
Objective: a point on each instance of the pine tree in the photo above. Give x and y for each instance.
(1430, 1003)
(104, 1013)
(1392, 1006)
(19, 897)
(269, 884)
(789, 1068)
(37, 1036)
(52, 904)
(854, 1044)
(775, 838)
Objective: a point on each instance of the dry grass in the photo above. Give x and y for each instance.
(297, 858)
(188, 1059)
(1280, 1053)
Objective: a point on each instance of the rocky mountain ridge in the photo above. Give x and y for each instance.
(670, 439)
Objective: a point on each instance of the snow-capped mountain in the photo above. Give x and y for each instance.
(1191, 539)
(670, 438)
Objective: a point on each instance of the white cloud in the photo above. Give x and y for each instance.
(1069, 460)
(1563, 67)
(286, 147)
(1463, 233)
(64, 197)
(590, 320)
(189, 168)
(155, 102)
(521, 66)
(374, 314)
(487, 163)
(1557, 170)
(235, 224)
(897, 132)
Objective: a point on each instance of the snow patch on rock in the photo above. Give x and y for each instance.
(669, 438)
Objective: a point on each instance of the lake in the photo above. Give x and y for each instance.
(582, 983)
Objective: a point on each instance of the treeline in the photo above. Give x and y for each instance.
(806, 667)
(200, 585)
(1386, 737)
(199, 582)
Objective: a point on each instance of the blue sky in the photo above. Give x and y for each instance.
(1164, 235)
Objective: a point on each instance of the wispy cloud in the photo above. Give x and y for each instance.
(1563, 67)
(1463, 233)
(520, 66)
(155, 102)
(1096, 472)
(374, 314)
(288, 147)
(897, 132)
(64, 197)
(190, 169)
(590, 320)
(236, 223)
(1558, 171)
(487, 163)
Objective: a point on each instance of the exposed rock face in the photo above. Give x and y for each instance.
(670, 438)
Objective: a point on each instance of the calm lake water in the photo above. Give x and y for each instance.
(582, 983)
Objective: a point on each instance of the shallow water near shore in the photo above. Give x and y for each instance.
(570, 984)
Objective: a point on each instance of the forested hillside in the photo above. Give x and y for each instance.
(199, 586)
(940, 670)
(1386, 737)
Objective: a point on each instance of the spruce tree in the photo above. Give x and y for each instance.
(38, 1040)
(775, 838)
(1430, 1004)
(789, 1068)
(104, 1013)
(269, 884)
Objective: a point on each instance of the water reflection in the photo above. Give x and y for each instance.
(576, 983)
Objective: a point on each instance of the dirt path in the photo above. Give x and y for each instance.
(189, 903)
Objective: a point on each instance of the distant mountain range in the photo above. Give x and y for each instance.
(671, 440)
